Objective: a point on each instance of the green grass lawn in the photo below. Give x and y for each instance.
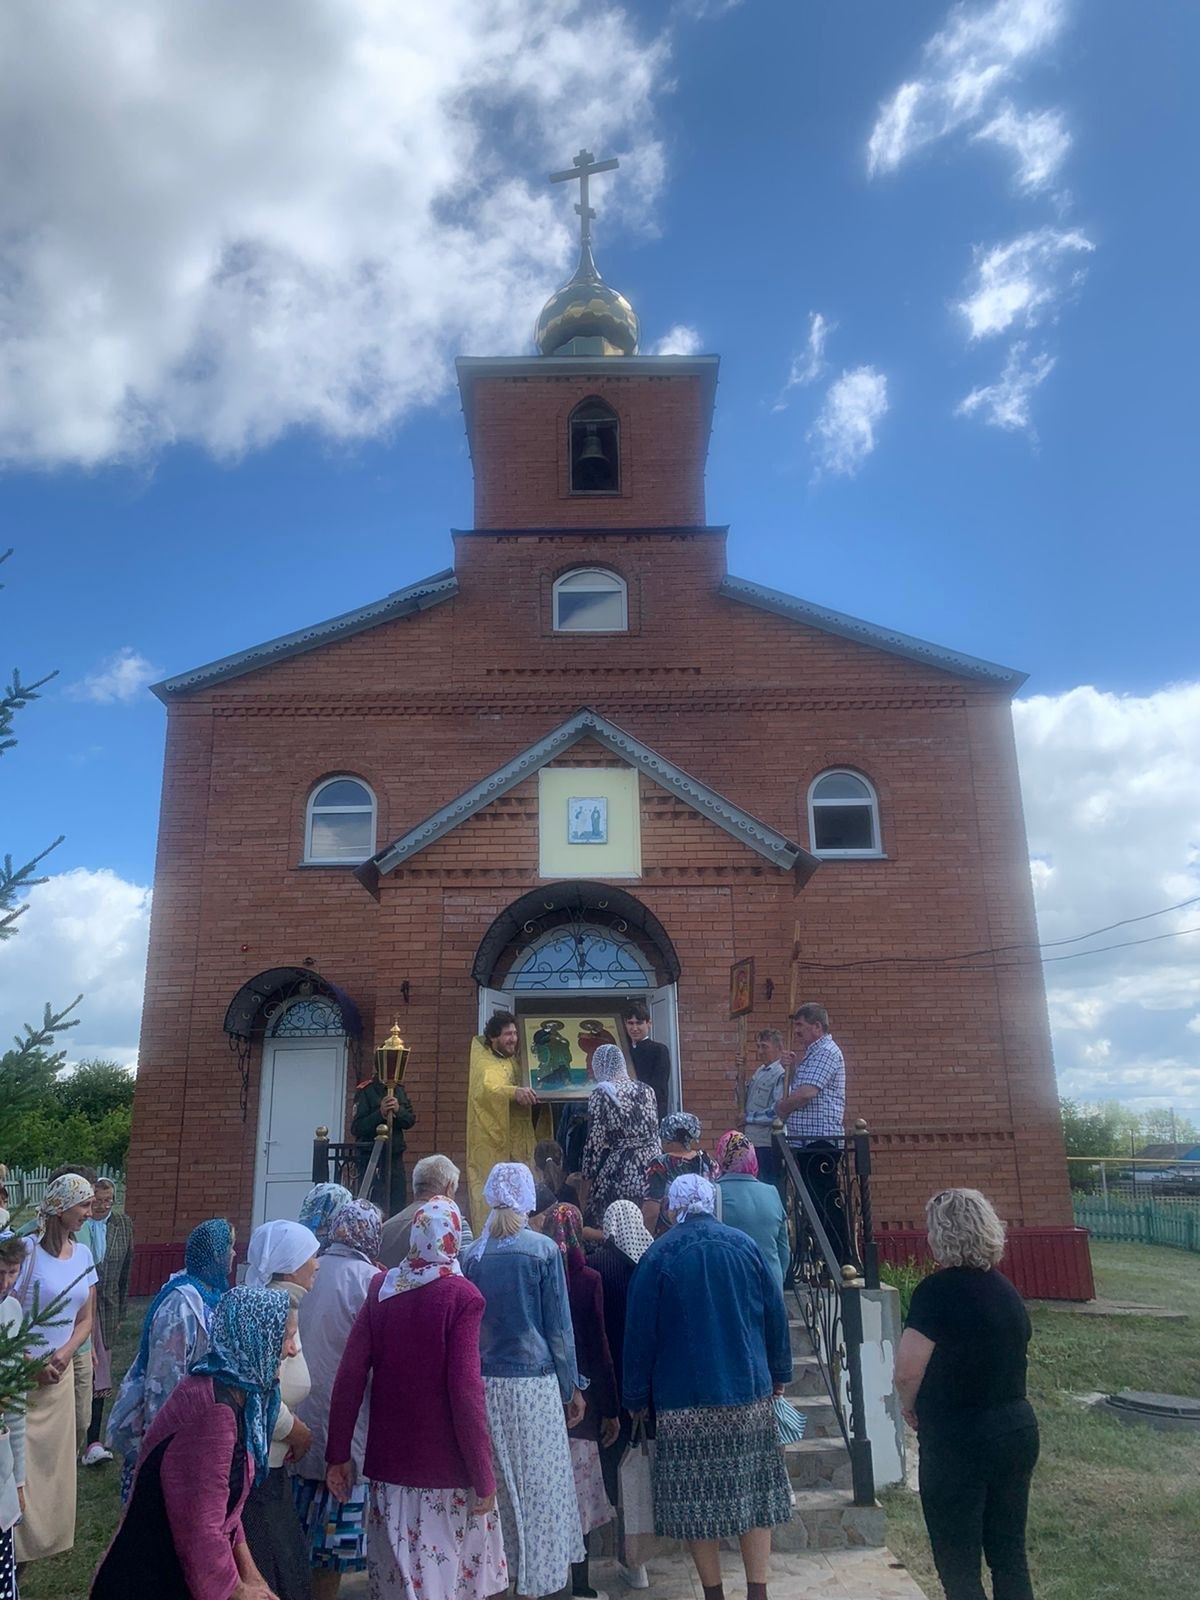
(1115, 1510)
(68, 1577)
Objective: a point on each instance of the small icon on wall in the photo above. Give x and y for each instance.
(587, 820)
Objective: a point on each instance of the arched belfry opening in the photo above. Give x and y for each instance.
(567, 959)
(594, 442)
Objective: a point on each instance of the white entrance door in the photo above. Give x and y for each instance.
(664, 1026)
(303, 1088)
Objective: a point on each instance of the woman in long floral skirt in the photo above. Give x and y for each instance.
(432, 1528)
(531, 1378)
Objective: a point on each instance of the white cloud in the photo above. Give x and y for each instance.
(843, 436)
(966, 64)
(1005, 403)
(1111, 786)
(222, 221)
(808, 363)
(123, 677)
(1022, 282)
(679, 341)
(1038, 139)
(85, 932)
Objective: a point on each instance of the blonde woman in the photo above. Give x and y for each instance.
(960, 1375)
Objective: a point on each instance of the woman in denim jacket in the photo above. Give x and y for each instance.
(531, 1384)
(706, 1342)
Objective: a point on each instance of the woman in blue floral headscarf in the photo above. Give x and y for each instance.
(321, 1204)
(182, 1530)
(174, 1334)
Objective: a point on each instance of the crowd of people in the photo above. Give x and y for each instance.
(451, 1413)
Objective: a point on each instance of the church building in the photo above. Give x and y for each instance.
(588, 763)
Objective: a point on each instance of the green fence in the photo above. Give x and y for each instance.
(1155, 1223)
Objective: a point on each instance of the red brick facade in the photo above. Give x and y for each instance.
(951, 1068)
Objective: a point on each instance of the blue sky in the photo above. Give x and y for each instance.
(214, 433)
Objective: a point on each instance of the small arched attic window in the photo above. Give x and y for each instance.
(590, 600)
(843, 815)
(594, 446)
(339, 824)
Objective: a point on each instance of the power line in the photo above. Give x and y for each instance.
(1003, 949)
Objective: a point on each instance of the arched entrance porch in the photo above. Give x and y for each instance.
(566, 959)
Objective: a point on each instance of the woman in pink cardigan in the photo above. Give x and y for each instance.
(181, 1536)
(433, 1532)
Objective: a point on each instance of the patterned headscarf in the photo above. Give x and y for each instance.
(205, 1268)
(245, 1349)
(432, 1251)
(65, 1192)
(320, 1204)
(623, 1224)
(358, 1226)
(681, 1127)
(278, 1248)
(691, 1196)
(509, 1183)
(564, 1224)
(609, 1068)
(735, 1153)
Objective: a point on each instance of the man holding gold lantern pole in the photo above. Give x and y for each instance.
(383, 1099)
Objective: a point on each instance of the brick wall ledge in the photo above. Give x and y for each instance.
(1044, 1263)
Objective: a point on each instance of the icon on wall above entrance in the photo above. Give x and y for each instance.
(587, 820)
(558, 1052)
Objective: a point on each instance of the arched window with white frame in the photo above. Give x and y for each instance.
(843, 815)
(339, 824)
(591, 600)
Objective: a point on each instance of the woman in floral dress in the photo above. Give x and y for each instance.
(622, 1136)
(680, 1157)
(432, 1528)
(174, 1334)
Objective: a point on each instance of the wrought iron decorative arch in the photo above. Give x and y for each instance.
(263, 999)
(573, 906)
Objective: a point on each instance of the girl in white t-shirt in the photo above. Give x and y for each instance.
(58, 1273)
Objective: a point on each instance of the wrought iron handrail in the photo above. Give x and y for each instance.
(829, 1296)
(340, 1161)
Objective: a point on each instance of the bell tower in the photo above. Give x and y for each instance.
(588, 433)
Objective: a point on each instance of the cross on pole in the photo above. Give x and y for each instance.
(584, 167)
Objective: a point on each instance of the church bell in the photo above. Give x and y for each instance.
(592, 450)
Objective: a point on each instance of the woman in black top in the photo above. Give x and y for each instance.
(960, 1375)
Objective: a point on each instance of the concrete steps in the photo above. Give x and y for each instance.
(824, 1516)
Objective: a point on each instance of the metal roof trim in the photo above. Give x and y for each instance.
(585, 723)
(870, 633)
(402, 603)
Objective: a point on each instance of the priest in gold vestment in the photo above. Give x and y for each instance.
(503, 1117)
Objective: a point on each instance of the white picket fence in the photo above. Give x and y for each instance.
(27, 1185)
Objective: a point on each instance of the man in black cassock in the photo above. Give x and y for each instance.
(651, 1061)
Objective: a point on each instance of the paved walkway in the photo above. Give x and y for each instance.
(821, 1574)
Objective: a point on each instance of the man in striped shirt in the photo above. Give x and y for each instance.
(814, 1112)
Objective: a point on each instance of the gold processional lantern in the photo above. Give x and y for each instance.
(391, 1058)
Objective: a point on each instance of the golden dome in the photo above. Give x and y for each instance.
(586, 308)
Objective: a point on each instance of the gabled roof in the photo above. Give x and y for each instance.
(897, 644)
(588, 724)
(402, 603)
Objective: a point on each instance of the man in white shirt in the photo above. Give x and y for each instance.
(762, 1096)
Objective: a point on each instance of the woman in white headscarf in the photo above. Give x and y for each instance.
(530, 1378)
(718, 1470)
(433, 1532)
(622, 1136)
(282, 1255)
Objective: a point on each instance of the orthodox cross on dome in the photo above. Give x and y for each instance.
(584, 167)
